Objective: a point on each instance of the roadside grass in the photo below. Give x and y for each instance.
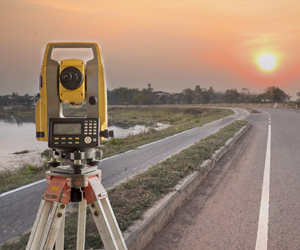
(180, 118)
(130, 199)
(250, 110)
(22, 176)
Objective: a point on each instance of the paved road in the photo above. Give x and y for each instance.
(18, 209)
(251, 198)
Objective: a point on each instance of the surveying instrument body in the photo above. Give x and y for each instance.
(75, 140)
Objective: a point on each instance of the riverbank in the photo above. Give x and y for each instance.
(12, 162)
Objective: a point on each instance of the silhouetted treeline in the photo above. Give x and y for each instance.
(148, 96)
(16, 99)
(125, 96)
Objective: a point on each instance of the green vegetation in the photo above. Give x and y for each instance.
(250, 110)
(131, 198)
(28, 112)
(24, 175)
(16, 99)
(181, 119)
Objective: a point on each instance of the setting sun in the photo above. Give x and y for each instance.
(267, 61)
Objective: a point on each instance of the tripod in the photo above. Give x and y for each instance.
(77, 183)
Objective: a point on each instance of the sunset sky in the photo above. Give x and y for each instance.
(171, 44)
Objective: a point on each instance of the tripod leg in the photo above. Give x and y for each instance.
(55, 218)
(81, 225)
(39, 225)
(107, 225)
(59, 245)
(104, 216)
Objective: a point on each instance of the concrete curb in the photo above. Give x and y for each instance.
(141, 233)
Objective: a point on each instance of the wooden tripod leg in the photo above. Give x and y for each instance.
(81, 225)
(59, 245)
(107, 225)
(50, 214)
(39, 225)
(104, 216)
(55, 218)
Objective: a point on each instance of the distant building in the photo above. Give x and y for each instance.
(34, 99)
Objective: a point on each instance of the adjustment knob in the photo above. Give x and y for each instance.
(93, 100)
(111, 133)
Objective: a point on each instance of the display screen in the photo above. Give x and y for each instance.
(66, 128)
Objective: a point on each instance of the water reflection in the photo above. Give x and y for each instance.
(16, 119)
(129, 125)
(124, 129)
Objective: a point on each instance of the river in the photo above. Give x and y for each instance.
(18, 134)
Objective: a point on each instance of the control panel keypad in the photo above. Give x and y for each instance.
(90, 127)
(88, 138)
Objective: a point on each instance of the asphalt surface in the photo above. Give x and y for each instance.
(18, 208)
(224, 210)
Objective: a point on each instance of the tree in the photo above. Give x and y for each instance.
(198, 94)
(275, 94)
(207, 95)
(244, 93)
(231, 95)
(121, 95)
(187, 95)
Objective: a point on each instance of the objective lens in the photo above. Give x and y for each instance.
(71, 78)
(67, 76)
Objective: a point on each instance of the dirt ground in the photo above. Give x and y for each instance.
(12, 162)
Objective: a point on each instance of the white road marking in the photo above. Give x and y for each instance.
(164, 138)
(23, 187)
(117, 155)
(263, 223)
